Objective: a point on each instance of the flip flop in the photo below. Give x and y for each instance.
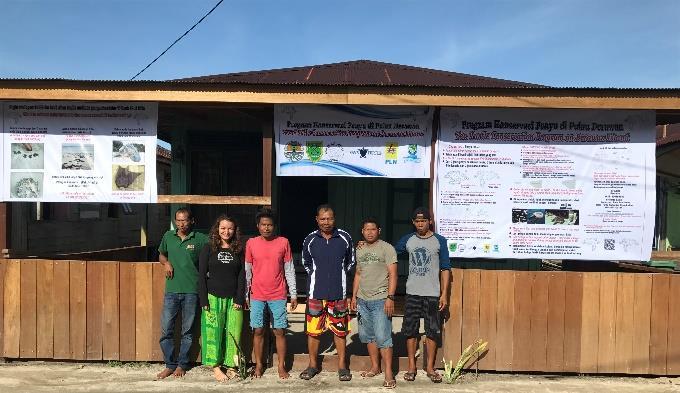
(309, 373)
(435, 378)
(391, 384)
(369, 374)
(410, 376)
(344, 375)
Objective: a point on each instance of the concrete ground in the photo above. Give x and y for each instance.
(139, 377)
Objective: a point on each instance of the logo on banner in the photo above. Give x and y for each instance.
(365, 152)
(496, 248)
(293, 151)
(391, 153)
(314, 150)
(412, 155)
(334, 152)
(453, 247)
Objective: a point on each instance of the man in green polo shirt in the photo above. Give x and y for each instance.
(179, 252)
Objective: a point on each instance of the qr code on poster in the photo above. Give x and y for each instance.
(609, 244)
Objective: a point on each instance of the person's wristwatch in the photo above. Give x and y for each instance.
(391, 297)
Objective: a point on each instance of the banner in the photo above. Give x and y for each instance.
(339, 140)
(79, 151)
(550, 184)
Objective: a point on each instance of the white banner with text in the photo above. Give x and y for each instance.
(549, 184)
(349, 140)
(79, 151)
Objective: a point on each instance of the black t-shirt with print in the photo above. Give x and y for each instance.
(222, 274)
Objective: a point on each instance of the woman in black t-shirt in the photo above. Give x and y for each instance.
(221, 289)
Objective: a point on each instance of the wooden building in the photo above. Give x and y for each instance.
(221, 131)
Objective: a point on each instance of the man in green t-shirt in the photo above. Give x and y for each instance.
(375, 282)
(179, 252)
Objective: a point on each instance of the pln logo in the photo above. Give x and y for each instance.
(314, 150)
(391, 152)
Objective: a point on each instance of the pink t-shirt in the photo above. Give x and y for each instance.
(268, 258)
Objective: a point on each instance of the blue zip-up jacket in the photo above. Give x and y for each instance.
(328, 263)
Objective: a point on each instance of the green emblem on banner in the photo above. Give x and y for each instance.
(314, 150)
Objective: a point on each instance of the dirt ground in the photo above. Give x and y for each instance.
(139, 377)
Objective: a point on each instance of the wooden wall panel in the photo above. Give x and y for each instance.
(78, 309)
(110, 312)
(555, 347)
(143, 311)
(95, 304)
(45, 309)
(3, 265)
(642, 311)
(27, 340)
(127, 309)
(539, 320)
(487, 317)
(12, 308)
(625, 299)
(658, 335)
(505, 320)
(471, 297)
(590, 323)
(673, 355)
(454, 326)
(157, 307)
(61, 313)
(572, 321)
(521, 343)
(606, 340)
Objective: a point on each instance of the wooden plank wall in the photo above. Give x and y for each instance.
(572, 322)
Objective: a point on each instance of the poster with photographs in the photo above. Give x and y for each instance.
(61, 151)
(546, 183)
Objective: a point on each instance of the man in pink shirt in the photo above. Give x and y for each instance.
(269, 266)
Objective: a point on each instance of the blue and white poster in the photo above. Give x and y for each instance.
(344, 140)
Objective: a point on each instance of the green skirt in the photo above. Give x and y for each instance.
(220, 332)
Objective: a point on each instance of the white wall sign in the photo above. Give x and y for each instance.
(60, 151)
(533, 183)
(340, 140)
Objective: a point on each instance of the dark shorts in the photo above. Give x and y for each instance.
(426, 307)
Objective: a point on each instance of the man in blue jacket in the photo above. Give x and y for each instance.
(328, 258)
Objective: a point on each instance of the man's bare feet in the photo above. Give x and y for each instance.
(164, 374)
(179, 372)
(220, 376)
(283, 374)
(258, 371)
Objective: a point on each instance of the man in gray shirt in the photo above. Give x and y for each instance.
(375, 282)
(427, 289)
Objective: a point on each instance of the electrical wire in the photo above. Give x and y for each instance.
(177, 40)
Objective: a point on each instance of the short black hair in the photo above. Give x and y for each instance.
(186, 211)
(370, 220)
(324, 207)
(265, 213)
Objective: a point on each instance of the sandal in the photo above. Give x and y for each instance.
(435, 377)
(391, 384)
(410, 376)
(309, 373)
(344, 375)
(369, 374)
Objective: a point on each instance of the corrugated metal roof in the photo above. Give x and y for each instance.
(360, 73)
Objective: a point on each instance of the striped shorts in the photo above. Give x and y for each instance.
(426, 307)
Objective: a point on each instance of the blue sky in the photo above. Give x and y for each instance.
(624, 43)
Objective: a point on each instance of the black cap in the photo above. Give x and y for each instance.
(421, 211)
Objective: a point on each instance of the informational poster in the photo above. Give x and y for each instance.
(57, 151)
(340, 140)
(549, 184)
